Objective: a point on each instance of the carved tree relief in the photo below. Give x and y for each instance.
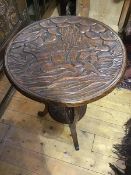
(66, 59)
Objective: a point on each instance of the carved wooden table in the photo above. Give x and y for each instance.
(65, 63)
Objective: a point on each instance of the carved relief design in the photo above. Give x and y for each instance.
(8, 18)
(65, 59)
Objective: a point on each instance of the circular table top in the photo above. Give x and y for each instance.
(69, 60)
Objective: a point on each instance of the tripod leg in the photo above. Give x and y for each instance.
(74, 135)
(73, 128)
(44, 112)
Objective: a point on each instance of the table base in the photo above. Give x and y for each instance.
(66, 115)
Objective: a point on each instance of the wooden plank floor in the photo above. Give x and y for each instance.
(30, 145)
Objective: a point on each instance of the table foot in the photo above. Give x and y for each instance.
(44, 112)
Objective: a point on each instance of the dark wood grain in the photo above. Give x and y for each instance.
(64, 114)
(68, 60)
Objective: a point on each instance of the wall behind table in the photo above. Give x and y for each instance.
(107, 11)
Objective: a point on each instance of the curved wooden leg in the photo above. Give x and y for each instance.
(74, 135)
(68, 115)
(43, 113)
(73, 114)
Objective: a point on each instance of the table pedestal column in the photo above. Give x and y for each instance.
(67, 115)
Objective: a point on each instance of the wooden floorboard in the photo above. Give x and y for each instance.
(27, 140)
(32, 162)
